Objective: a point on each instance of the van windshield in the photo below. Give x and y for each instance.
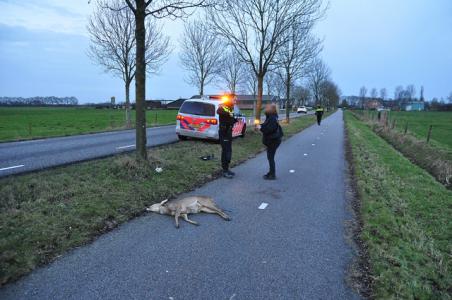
(198, 108)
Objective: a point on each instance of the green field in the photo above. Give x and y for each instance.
(419, 122)
(405, 215)
(17, 123)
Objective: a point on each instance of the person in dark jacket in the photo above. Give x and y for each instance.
(271, 137)
(319, 114)
(226, 117)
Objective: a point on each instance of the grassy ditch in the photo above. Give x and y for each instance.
(405, 217)
(44, 214)
(436, 160)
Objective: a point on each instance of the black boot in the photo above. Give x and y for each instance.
(269, 176)
(227, 174)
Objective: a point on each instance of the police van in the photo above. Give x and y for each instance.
(198, 118)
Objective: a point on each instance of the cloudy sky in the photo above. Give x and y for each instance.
(374, 43)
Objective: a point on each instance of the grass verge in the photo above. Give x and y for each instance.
(46, 213)
(405, 217)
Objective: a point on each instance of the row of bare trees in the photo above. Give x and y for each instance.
(400, 93)
(234, 38)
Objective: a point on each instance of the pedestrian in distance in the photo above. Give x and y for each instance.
(272, 134)
(319, 114)
(227, 120)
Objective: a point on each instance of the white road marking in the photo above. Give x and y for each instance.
(263, 205)
(124, 147)
(12, 167)
(305, 154)
(292, 171)
(313, 144)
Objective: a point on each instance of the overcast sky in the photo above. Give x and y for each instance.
(374, 43)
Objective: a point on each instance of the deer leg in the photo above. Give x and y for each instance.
(176, 217)
(215, 210)
(185, 216)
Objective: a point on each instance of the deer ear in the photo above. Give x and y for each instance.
(163, 202)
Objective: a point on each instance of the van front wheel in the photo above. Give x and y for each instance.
(182, 137)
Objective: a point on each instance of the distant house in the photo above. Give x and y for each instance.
(413, 105)
(391, 104)
(154, 104)
(372, 104)
(248, 101)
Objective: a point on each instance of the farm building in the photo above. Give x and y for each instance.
(248, 101)
(413, 106)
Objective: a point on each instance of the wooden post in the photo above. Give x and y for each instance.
(429, 133)
(406, 128)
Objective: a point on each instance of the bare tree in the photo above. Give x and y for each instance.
(201, 54)
(362, 95)
(450, 98)
(383, 93)
(256, 30)
(330, 93)
(373, 93)
(159, 9)
(301, 94)
(250, 82)
(233, 71)
(319, 73)
(421, 96)
(294, 56)
(398, 92)
(410, 91)
(112, 34)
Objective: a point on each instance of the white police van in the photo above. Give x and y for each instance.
(198, 118)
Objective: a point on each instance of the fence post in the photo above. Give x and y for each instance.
(429, 133)
(406, 128)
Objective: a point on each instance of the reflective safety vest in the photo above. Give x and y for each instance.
(228, 110)
(319, 109)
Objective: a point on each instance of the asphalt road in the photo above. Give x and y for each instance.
(293, 249)
(25, 156)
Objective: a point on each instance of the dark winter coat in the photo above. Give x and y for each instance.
(271, 130)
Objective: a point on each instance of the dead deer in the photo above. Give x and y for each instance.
(184, 207)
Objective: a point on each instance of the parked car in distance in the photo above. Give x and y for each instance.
(302, 110)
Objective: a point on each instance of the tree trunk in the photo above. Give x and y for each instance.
(260, 91)
(140, 80)
(201, 88)
(128, 121)
(287, 98)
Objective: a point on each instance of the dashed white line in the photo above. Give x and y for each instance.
(12, 167)
(313, 144)
(305, 154)
(263, 205)
(124, 147)
(292, 171)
